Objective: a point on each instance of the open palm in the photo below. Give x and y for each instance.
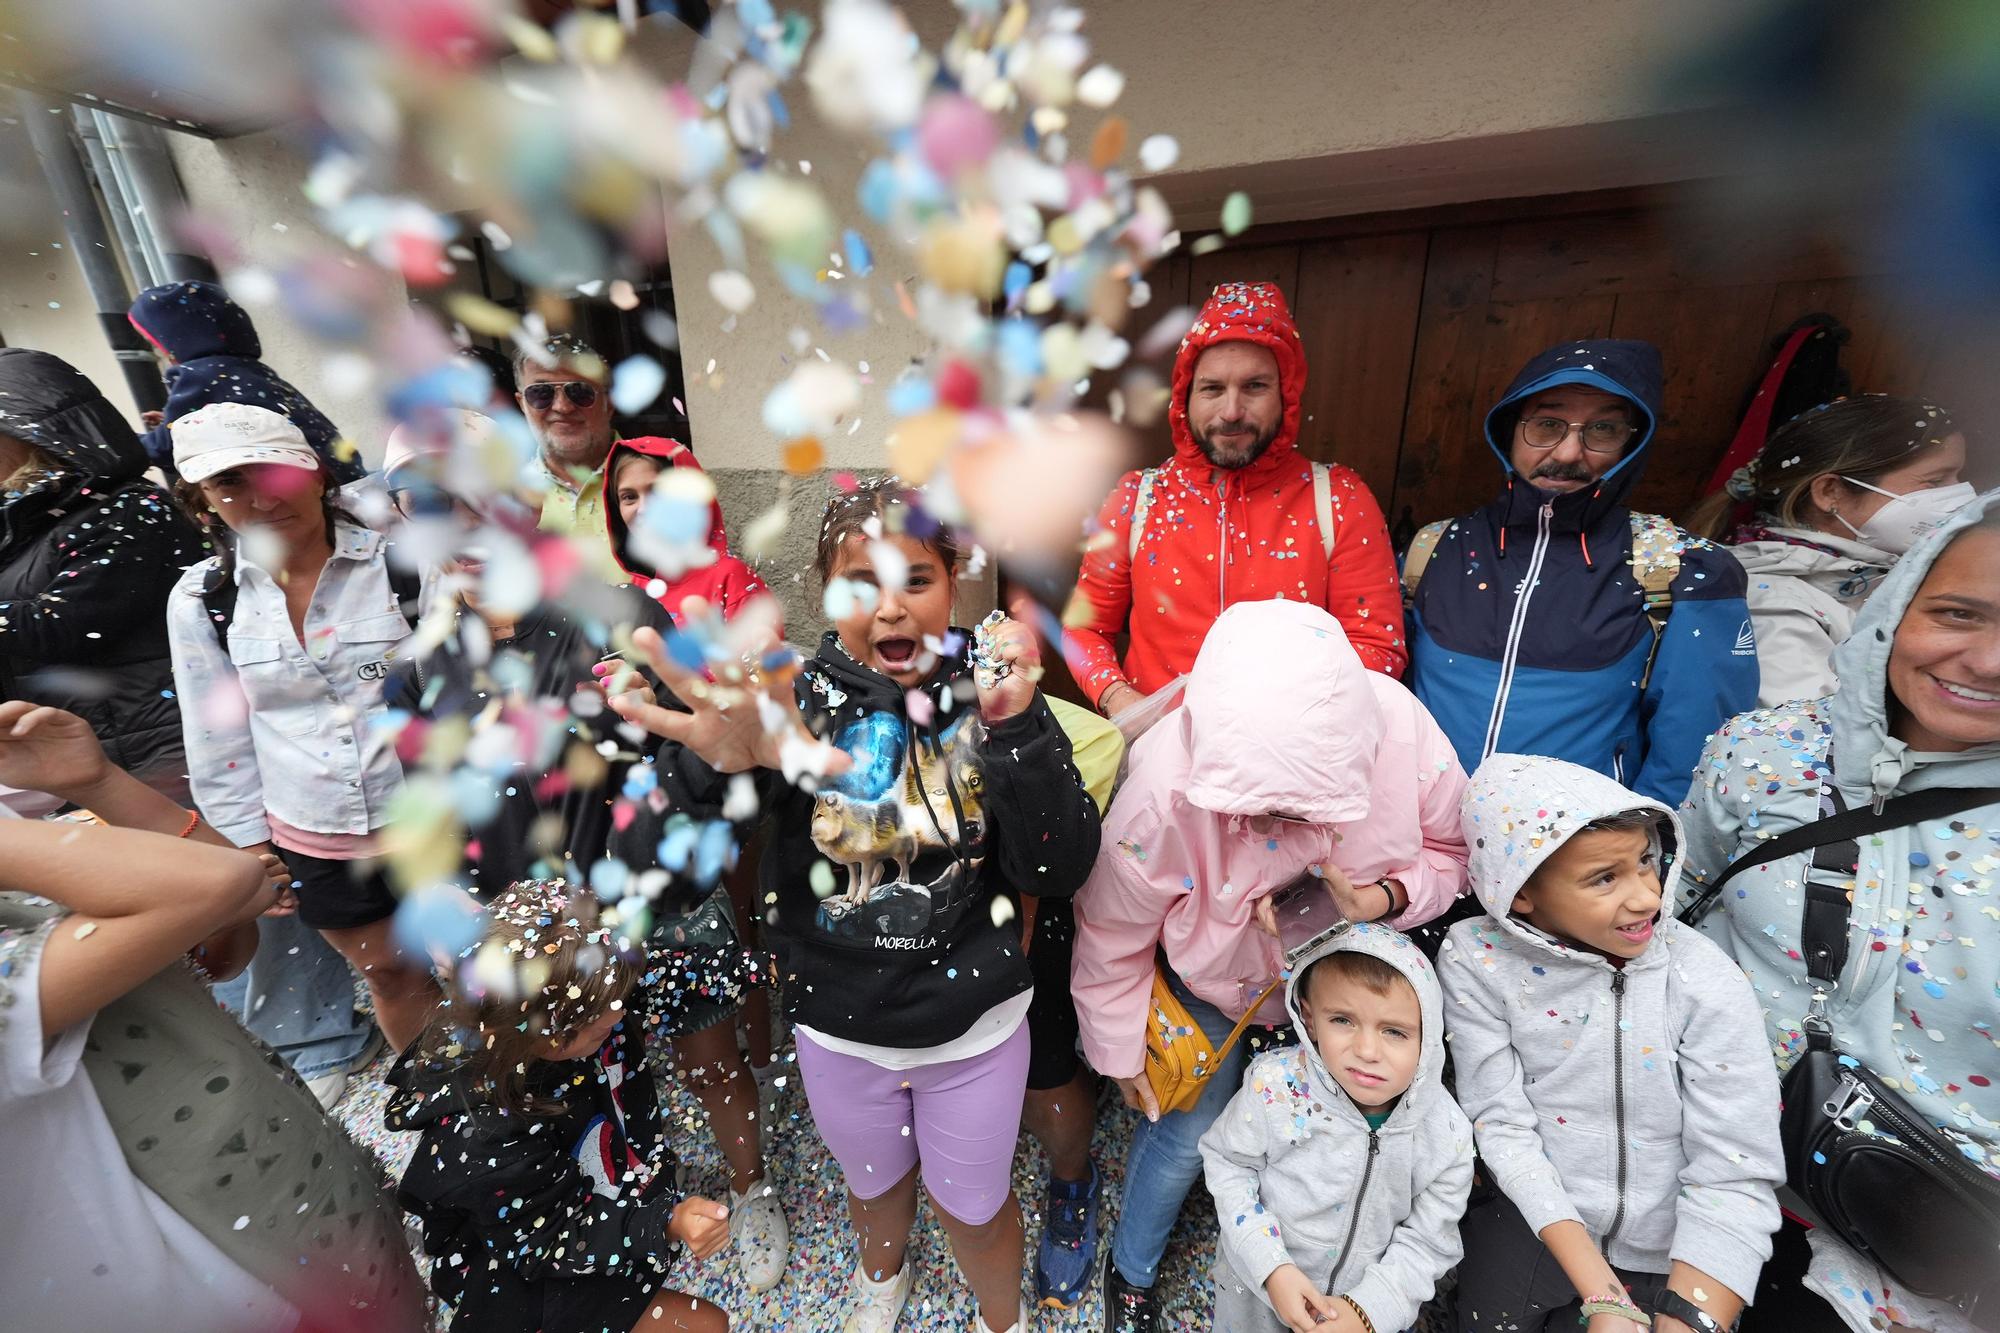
(747, 719)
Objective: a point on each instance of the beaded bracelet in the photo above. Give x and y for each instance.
(1367, 1324)
(194, 822)
(1619, 1306)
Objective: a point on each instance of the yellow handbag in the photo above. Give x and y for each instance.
(1179, 1058)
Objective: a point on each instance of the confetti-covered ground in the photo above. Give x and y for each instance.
(812, 1296)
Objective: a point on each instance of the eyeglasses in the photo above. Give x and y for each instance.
(425, 501)
(1606, 436)
(542, 395)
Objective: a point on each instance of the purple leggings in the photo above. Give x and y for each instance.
(960, 1119)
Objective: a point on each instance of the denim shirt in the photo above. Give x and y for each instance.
(277, 725)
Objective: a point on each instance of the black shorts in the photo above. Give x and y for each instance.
(1052, 1030)
(338, 895)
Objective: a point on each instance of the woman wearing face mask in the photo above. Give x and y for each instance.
(1817, 518)
(281, 644)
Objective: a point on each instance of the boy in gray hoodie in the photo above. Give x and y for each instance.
(1614, 1065)
(1341, 1167)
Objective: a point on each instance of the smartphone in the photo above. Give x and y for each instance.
(1307, 916)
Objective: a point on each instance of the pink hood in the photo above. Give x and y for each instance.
(1280, 717)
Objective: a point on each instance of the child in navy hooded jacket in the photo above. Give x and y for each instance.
(214, 350)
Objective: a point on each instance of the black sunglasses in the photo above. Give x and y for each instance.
(542, 395)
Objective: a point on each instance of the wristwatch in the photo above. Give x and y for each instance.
(1676, 1306)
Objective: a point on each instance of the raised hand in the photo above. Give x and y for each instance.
(747, 717)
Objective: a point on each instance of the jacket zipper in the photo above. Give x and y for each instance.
(1618, 1093)
(1515, 626)
(1360, 1195)
(1222, 545)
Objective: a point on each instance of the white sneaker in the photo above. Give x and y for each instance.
(328, 1087)
(758, 1232)
(879, 1303)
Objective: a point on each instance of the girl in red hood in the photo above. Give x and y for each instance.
(630, 471)
(736, 1092)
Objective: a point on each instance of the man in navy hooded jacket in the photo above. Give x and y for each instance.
(1529, 627)
(214, 348)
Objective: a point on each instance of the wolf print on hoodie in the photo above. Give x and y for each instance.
(907, 795)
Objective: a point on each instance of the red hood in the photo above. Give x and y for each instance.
(674, 454)
(1242, 312)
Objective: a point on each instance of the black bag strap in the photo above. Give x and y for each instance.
(1846, 826)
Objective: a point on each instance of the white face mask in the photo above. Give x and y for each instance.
(1907, 518)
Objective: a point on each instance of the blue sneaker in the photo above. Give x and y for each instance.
(1068, 1252)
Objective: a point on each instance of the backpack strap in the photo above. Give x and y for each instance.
(1422, 547)
(218, 598)
(1656, 562)
(1323, 507)
(1142, 508)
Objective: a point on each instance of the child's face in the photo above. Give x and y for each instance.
(634, 482)
(887, 632)
(1601, 889)
(588, 1039)
(1370, 1043)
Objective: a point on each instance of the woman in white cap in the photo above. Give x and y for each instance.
(281, 643)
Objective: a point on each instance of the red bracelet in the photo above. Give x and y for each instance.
(194, 822)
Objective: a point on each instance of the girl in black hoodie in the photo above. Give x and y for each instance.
(943, 795)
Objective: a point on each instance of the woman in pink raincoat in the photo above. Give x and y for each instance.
(1288, 755)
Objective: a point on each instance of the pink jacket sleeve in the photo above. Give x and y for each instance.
(1099, 607)
(1119, 917)
(1439, 873)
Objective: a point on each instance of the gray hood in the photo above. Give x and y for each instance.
(1868, 762)
(1298, 1176)
(1518, 809)
(1396, 949)
(1639, 1100)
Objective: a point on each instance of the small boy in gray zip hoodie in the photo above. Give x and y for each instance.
(1613, 1062)
(1341, 1167)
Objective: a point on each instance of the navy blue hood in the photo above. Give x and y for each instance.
(190, 320)
(1623, 366)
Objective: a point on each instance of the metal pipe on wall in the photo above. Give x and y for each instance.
(152, 190)
(117, 205)
(91, 242)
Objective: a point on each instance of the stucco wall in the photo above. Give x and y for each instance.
(250, 189)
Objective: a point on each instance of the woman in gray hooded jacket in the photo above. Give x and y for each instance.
(1612, 1063)
(1364, 1203)
(1918, 708)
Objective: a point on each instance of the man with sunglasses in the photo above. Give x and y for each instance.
(1557, 621)
(561, 391)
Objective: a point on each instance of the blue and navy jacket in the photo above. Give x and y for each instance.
(216, 346)
(1528, 632)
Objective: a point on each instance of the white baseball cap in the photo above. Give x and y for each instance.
(221, 436)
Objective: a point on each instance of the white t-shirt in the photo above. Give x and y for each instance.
(989, 1030)
(84, 1245)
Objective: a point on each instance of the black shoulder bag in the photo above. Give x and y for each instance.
(1877, 1173)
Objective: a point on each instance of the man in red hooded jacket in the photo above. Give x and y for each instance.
(1237, 515)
